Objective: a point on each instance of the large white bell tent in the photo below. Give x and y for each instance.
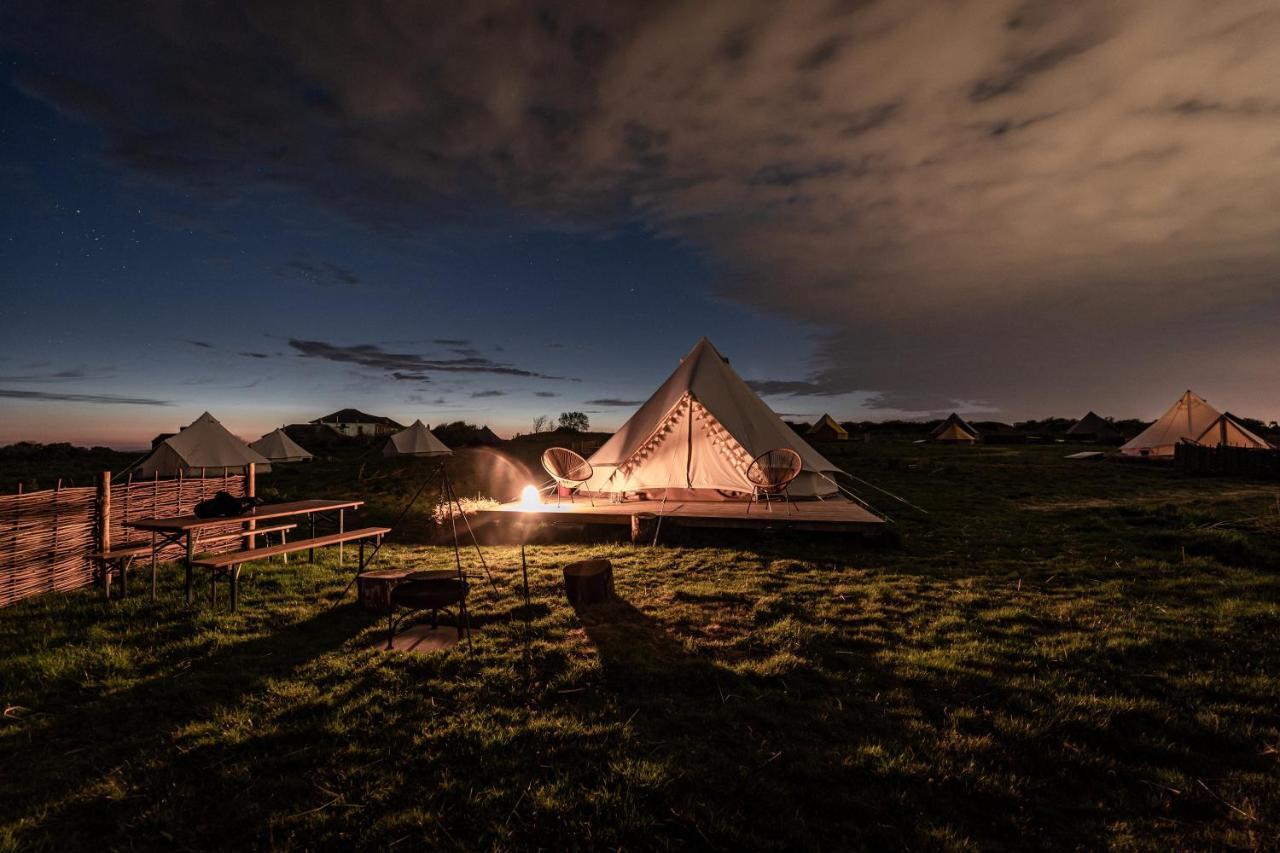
(696, 436)
(1187, 419)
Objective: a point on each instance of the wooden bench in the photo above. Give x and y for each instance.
(282, 529)
(230, 562)
(119, 559)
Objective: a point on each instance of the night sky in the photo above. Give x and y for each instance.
(491, 210)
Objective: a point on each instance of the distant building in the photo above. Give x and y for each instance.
(315, 436)
(356, 424)
(995, 432)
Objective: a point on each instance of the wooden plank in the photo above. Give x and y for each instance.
(266, 511)
(828, 515)
(234, 557)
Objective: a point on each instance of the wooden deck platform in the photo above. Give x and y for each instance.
(831, 516)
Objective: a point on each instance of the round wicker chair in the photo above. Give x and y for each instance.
(569, 470)
(771, 474)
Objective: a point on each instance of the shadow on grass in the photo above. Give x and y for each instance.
(124, 738)
(841, 747)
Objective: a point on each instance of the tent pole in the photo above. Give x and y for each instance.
(454, 502)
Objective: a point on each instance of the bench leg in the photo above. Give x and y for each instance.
(191, 553)
(311, 552)
(235, 586)
(125, 565)
(466, 620)
(106, 578)
(153, 566)
(284, 540)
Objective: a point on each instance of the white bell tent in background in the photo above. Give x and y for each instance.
(204, 446)
(1187, 419)
(417, 440)
(1227, 431)
(278, 447)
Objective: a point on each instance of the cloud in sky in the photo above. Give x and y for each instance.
(71, 373)
(1021, 201)
(319, 272)
(100, 399)
(613, 401)
(408, 366)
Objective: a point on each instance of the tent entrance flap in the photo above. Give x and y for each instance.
(689, 451)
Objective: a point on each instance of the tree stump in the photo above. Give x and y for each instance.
(588, 582)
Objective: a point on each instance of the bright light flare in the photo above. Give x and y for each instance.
(529, 498)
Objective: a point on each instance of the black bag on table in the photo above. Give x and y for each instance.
(225, 505)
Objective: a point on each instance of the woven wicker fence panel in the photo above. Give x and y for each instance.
(45, 540)
(136, 499)
(47, 537)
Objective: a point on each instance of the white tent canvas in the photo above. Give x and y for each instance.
(278, 447)
(204, 446)
(1226, 430)
(696, 436)
(1188, 419)
(417, 440)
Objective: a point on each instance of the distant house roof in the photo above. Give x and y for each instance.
(993, 428)
(355, 416)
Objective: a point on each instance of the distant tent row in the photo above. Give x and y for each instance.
(207, 447)
(1192, 419)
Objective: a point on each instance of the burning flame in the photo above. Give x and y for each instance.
(529, 498)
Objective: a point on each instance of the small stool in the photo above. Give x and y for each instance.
(373, 589)
(435, 591)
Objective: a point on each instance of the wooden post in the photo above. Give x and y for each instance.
(643, 527)
(250, 490)
(104, 511)
(53, 549)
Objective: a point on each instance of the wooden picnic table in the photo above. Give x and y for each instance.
(187, 528)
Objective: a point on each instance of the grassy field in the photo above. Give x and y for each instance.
(1060, 655)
